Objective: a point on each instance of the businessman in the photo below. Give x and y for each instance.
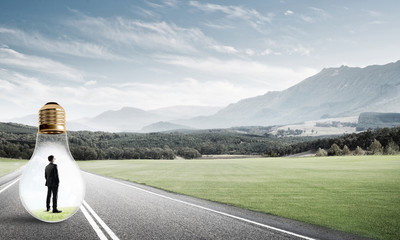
(52, 181)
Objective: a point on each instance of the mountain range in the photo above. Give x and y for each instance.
(331, 93)
(129, 119)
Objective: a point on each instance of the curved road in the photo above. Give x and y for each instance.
(115, 209)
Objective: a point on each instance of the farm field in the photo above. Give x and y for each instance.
(353, 194)
(8, 165)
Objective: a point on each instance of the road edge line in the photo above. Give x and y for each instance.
(94, 225)
(99, 220)
(209, 209)
(16, 180)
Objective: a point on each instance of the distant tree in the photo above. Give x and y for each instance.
(391, 148)
(84, 153)
(189, 153)
(90, 153)
(346, 150)
(272, 153)
(321, 152)
(359, 151)
(334, 150)
(376, 148)
(168, 154)
(114, 153)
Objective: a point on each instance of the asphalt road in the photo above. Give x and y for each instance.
(115, 209)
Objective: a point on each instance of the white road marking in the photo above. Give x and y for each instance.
(108, 230)
(209, 209)
(95, 227)
(16, 180)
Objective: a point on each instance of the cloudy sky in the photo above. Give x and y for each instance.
(92, 56)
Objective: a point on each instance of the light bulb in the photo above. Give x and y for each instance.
(51, 140)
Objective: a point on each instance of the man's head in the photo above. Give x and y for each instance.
(51, 158)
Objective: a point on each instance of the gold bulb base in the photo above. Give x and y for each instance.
(52, 119)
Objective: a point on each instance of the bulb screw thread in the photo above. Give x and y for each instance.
(52, 119)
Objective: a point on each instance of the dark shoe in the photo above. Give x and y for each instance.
(47, 209)
(56, 211)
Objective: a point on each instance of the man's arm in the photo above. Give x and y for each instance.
(56, 174)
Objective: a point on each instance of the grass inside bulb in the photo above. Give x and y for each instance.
(52, 140)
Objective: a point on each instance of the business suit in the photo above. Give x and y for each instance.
(52, 181)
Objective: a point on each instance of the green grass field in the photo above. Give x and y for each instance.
(54, 217)
(8, 165)
(353, 194)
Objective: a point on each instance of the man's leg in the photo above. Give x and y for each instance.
(55, 194)
(48, 198)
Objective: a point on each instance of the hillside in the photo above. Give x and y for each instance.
(162, 127)
(333, 92)
(372, 120)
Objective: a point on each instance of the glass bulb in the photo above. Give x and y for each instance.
(51, 140)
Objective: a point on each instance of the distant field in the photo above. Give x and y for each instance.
(353, 194)
(8, 165)
(310, 128)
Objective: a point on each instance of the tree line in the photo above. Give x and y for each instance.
(18, 141)
(375, 148)
(378, 141)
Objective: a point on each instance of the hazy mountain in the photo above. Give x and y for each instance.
(31, 120)
(125, 119)
(185, 112)
(131, 119)
(134, 119)
(333, 92)
(163, 126)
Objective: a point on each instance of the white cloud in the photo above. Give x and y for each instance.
(20, 88)
(266, 52)
(171, 3)
(252, 16)
(162, 4)
(90, 83)
(15, 59)
(154, 5)
(190, 91)
(276, 78)
(148, 13)
(307, 18)
(250, 52)
(156, 36)
(320, 12)
(300, 50)
(224, 49)
(315, 14)
(372, 13)
(218, 26)
(288, 12)
(287, 45)
(66, 46)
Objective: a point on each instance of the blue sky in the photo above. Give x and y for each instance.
(92, 56)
